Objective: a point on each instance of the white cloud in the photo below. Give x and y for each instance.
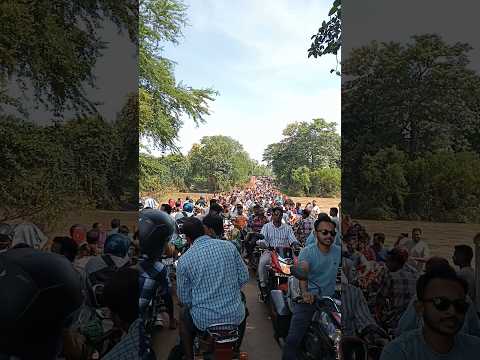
(280, 84)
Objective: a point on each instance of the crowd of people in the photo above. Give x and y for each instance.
(70, 297)
(211, 273)
(426, 307)
(87, 295)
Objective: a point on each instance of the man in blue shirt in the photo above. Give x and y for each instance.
(210, 276)
(442, 303)
(312, 237)
(322, 261)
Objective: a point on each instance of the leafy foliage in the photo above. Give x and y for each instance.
(82, 163)
(306, 157)
(52, 46)
(216, 163)
(328, 39)
(422, 98)
(221, 161)
(163, 101)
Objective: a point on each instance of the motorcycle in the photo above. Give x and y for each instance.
(368, 345)
(322, 338)
(282, 258)
(252, 250)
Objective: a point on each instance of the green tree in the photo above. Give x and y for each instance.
(220, 162)
(328, 39)
(163, 100)
(53, 46)
(433, 107)
(305, 145)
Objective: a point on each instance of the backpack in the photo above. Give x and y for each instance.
(98, 279)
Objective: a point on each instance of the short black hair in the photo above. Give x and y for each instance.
(167, 208)
(193, 228)
(68, 247)
(465, 251)
(277, 208)
(322, 217)
(439, 272)
(334, 210)
(123, 229)
(93, 236)
(214, 222)
(216, 207)
(379, 236)
(115, 223)
(213, 201)
(122, 293)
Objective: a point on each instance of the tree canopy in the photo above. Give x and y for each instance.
(404, 108)
(52, 47)
(307, 160)
(164, 101)
(328, 39)
(216, 163)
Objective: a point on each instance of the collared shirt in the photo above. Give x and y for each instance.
(355, 312)
(129, 347)
(396, 291)
(210, 275)
(278, 236)
(303, 228)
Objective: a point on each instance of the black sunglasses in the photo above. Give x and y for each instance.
(326, 232)
(443, 304)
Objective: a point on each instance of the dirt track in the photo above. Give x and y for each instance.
(442, 237)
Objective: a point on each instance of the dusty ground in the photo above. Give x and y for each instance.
(87, 218)
(442, 237)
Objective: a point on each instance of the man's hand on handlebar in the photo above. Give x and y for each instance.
(308, 298)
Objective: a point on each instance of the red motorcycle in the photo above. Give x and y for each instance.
(282, 258)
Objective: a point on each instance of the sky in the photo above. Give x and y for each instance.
(454, 21)
(254, 53)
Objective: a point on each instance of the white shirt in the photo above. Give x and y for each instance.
(278, 236)
(417, 249)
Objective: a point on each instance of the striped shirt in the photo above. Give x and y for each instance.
(356, 315)
(210, 275)
(151, 203)
(278, 236)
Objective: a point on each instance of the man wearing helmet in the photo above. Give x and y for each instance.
(156, 229)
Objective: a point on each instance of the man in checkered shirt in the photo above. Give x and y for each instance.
(275, 234)
(397, 288)
(210, 276)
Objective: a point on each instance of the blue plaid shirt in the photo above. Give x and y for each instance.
(210, 276)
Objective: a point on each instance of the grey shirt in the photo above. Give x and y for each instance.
(412, 346)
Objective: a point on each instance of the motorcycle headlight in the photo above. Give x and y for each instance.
(285, 268)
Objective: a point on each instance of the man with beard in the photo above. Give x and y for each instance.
(442, 304)
(321, 261)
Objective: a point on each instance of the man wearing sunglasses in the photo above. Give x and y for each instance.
(321, 260)
(442, 304)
